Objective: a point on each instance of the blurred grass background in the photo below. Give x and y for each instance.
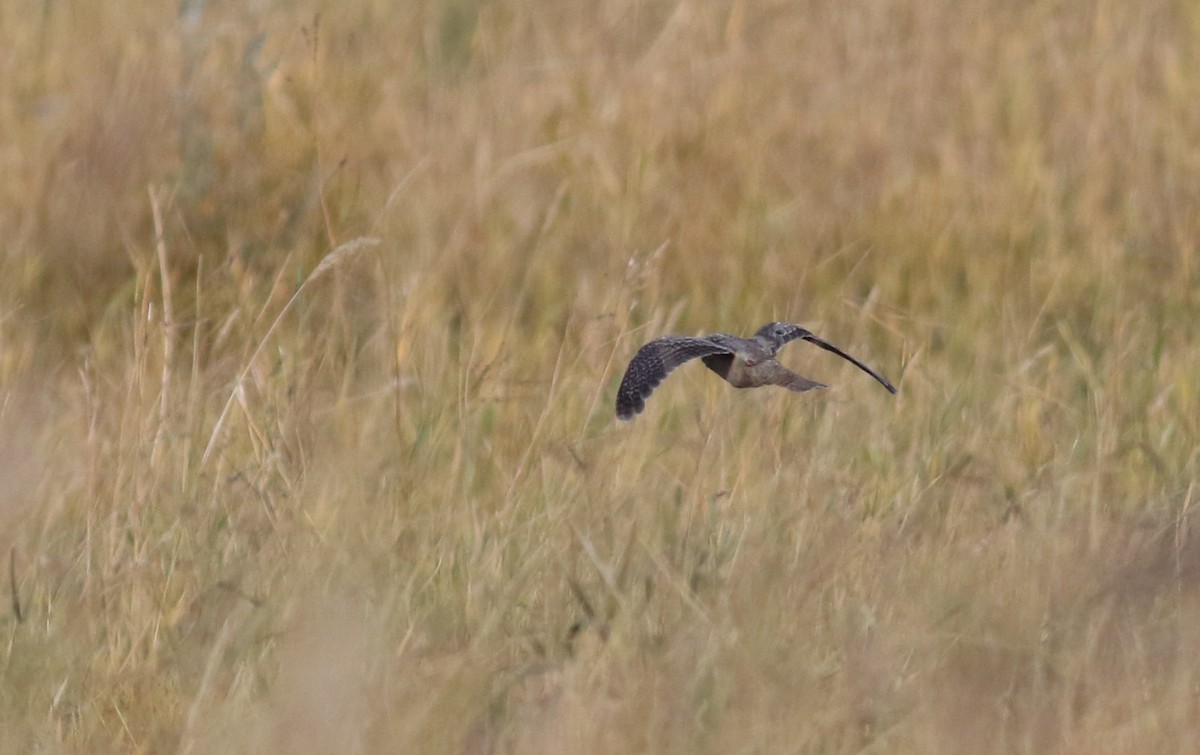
(387, 509)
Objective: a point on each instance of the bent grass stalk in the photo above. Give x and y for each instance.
(328, 262)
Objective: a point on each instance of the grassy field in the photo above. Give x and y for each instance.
(258, 495)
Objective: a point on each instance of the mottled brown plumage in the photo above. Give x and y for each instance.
(742, 362)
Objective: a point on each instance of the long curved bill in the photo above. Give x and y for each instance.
(830, 347)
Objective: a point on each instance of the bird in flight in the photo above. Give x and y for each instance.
(741, 362)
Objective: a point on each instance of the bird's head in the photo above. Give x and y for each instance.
(776, 334)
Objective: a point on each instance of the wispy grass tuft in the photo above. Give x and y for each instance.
(328, 262)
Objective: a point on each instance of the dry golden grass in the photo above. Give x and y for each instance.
(258, 499)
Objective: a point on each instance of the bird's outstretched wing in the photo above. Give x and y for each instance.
(653, 363)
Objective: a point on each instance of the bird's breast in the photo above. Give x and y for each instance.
(733, 368)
